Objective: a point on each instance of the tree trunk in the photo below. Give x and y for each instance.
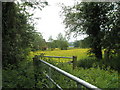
(98, 53)
(97, 47)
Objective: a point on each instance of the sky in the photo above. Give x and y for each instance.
(50, 22)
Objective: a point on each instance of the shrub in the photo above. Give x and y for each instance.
(114, 63)
(86, 63)
(99, 77)
(21, 77)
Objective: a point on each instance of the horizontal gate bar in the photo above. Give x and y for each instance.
(56, 57)
(76, 79)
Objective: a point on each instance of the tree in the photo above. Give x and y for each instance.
(85, 43)
(38, 43)
(111, 39)
(60, 37)
(76, 44)
(50, 39)
(88, 18)
(63, 45)
(13, 34)
(51, 43)
(17, 33)
(61, 42)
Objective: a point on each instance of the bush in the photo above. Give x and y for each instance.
(21, 77)
(95, 76)
(86, 63)
(114, 63)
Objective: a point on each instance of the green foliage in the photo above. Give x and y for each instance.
(95, 75)
(63, 45)
(97, 72)
(113, 63)
(38, 42)
(22, 77)
(18, 34)
(35, 4)
(60, 37)
(101, 24)
(76, 44)
(111, 38)
(18, 38)
(61, 42)
(86, 63)
(50, 39)
(85, 43)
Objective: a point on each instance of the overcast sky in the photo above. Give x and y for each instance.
(50, 23)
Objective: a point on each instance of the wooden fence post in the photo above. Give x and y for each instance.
(36, 69)
(74, 62)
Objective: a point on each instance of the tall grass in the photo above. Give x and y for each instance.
(97, 76)
(23, 77)
(89, 69)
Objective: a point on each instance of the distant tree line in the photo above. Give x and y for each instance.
(61, 42)
(85, 43)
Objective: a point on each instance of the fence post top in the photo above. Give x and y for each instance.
(35, 57)
(74, 56)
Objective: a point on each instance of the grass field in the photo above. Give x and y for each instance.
(96, 76)
(24, 75)
(80, 53)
